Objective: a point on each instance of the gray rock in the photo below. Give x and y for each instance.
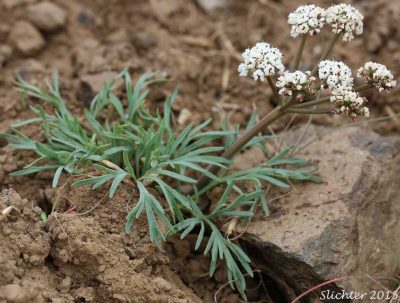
(26, 39)
(46, 16)
(340, 228)
(212, 5)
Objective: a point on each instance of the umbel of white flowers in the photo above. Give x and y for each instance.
(377, 75)
(264, 61)
(298, 83)
(307, 19)
(334, 74)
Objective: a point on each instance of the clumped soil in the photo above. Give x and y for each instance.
(87, 257)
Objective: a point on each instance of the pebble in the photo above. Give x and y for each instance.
(4, 30)
(66, 283)
(184, 116)
(5, 54)
(6, 231)
(26, 38)
(47, 16)
(144, 40)
(29, 69)
(102, 268)
(13, 293)
(212, 5)
(9, 4)
(35, 260)
(62, 236)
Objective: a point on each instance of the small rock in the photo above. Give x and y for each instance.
(90, 85)
(117, 36)
(85, 18)
(212, 5)
(85, 293)
(184, 116)
(62, 236)
(144, 40)
(120, 298)
(5, 54)
(66, 284)
(7, 231)
(14, 3)
(35, 260)
(29, 69)
(102, 268)
(90, 43)
(4, 30)
(26, 38)
(46, 16)
(49, 194)
(12, 293)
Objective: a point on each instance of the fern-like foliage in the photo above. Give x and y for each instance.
(120, 140)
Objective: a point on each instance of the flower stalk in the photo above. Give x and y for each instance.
(308, 111)
(300, 52)
(242, 141)
(273, 88)
(327, 51)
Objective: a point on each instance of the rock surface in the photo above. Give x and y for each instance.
(46, 16)
(340, 228)
(26, 38)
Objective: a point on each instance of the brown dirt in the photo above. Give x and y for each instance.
(83, 256)
(199, 51)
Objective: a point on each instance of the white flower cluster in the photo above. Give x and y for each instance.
(337, 76)
(345, 19)
(349, 102)
(377, 75)
(296, 82)
(306, 19)
(262, 61)
(334, 74)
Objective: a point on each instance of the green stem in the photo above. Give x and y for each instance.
(327, 52)
(289, 102)
(273, 87)
(271, 117)
(300, 52)
(313, 102)
(363, 87)
(359, 89)
(308, 111)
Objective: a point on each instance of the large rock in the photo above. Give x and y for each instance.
(26, 38)
(46, 16)
(340, 228)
